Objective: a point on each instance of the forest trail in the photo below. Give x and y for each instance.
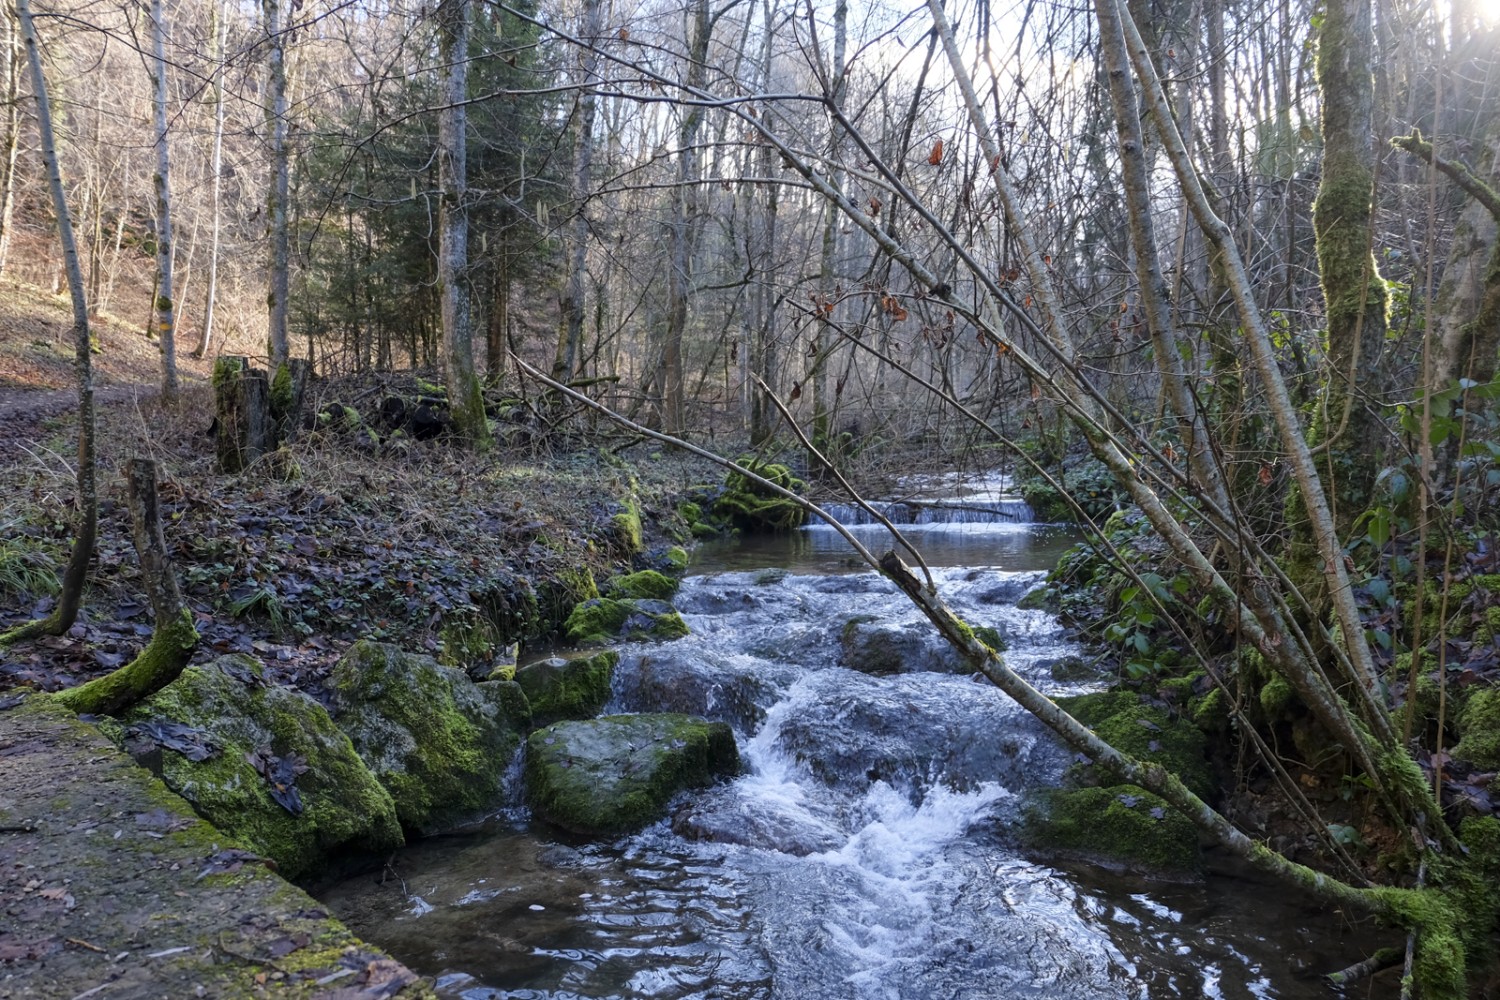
(110, 886)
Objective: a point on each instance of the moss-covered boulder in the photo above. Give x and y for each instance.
(1122, 823)
(617, 774)
(647, 584)
(273, 769)
(1479, 724)
(1147, 733)
(437, 741)
(751, 507)
(561, 689)
(625, 530)
(606, 619)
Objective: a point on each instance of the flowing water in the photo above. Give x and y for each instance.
(868, 850)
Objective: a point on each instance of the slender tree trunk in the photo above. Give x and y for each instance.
(62, 617)
(220, 22)
(574, 305)
(174, 637)
(464, 399)
(684, 221)
(12, 141)
(828, 279)
(276, 201)
(165, 307)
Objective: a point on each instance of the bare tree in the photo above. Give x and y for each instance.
(162, 183)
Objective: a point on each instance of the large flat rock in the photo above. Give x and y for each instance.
(110, 886)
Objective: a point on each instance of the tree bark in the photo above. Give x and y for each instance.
(277, 345)
(175, 637)
(71, 598)
(1353, 294)
(242, 414)
(12, 143)
(216, 166)
(165, 306)
(573, 304)
(464, 399)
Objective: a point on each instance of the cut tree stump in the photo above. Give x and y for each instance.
(242, 410)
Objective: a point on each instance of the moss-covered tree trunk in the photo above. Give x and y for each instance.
(62, 617)
(1354, 296)
(175, 638)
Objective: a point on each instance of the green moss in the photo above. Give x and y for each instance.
(690, 512)
(156, 666)
(343, 806)
(1479, 726)
(625, 530)
(606, 619)
(675, 558)
(753, 508)
(281, 392)
(1122, 822)
(648, 584)
(991, 637)
(435, 740)
(559, 594)
(1276, 697)
(617, 774)
(1148, 734)
(561, 689)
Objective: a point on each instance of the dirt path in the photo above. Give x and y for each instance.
(110, 887)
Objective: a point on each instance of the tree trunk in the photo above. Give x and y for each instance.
(277, 345)
(220, 28)
(244, 425)
(464, 399)
(823, 402)
(165, 307)
(684, 221)
(175, 637)
(574, 305)
(1353, 293)
(12, 142)
(62, 617)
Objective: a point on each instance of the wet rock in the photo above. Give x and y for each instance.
(736, 691)
(604, 620)
(436, 740)
(264, 736)
(727, 816)
(561, 689)
(879, 648)
(617, 774)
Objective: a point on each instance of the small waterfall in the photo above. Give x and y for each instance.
(979, 510)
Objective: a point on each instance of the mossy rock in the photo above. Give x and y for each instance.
(437, 741)
(1479, 726)
(617, 774)
(343, 807)
(750, 507)
(560, 593)
(560, 689)
(625, 530)
(1148, 734)
(1120, 823)
(606, 619)
(647, 584)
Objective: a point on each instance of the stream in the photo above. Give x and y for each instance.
(868, 851)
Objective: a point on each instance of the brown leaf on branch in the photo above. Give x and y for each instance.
(936, 156)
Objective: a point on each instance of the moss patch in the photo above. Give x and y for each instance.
(647, 584)
(1148, 734)
(606, 619)
(753, 508)
(1121, 822)
(617, 774)
(436, 740)
(561, 689)
(343, 807)
(1479, 722)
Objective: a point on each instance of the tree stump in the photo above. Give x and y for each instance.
(242, 410)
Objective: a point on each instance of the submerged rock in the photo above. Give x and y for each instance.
(437, 741)
(879, 648)
(617, 774)
(605, 619)
(567, 689)
(698, 682)
(274, 770)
